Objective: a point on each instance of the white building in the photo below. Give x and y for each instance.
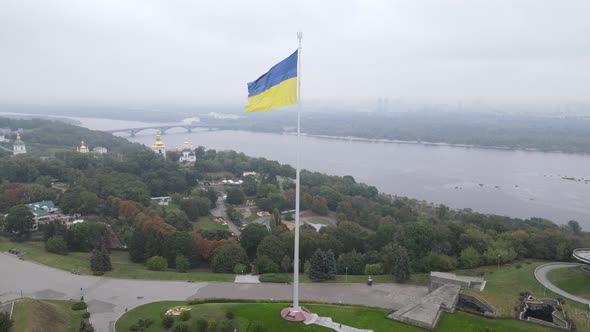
(19, 146)
(100, 150)
(188, 154)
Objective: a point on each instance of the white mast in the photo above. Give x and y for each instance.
(296, 307)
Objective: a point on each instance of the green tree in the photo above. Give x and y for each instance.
(249, 186)
(100, 260)
(275, 218)
(353, 261)
(178, 219)
(235, 196)
(227, 256)
(19, 220)
(273, 247)
(265, 265)
(136, 246)
(5, 322)
(56, 244)
(180, 243)
(182, 263)
(286, 264)
(373, 269)
(322, 266)
(470, 258)
(251, 237)
(191, 208)
(396, 261)
(319, 205)
(156, 263)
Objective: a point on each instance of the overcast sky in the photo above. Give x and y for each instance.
(191, 51)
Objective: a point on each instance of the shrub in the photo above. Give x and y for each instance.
(226, 325)
(373, 269)
(201, 325)
(184, 316)
(133, 328)
(156, 263)
(181, 328)
(167, 322)
(5, 322)
(258, 328)
(86, 315)
(518, 266)
(230, 315)
(197, 301)
(227, 256)
(265, 265)
(57, 245)
(240, 268)
(274, 277)
(182, 263)
(212, 325)
(79, 306)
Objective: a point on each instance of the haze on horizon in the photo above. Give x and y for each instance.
(187, 51)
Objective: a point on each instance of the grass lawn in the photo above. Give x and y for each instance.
(247, 315)
(504, 285)
(46, 315)
(122, 266)
(460, 321)
(207, 223)
(572, 280)
(126, 269)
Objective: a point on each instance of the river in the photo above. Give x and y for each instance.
(519, 184)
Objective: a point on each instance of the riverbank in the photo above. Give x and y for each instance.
(423, 143)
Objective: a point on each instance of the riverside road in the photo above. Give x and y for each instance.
(109, 298)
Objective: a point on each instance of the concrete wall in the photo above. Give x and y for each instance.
(489, 310)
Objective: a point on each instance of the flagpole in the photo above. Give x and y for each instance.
(296, 307)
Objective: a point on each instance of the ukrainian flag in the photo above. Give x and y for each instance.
(276, 88)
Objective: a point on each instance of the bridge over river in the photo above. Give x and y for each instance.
(163, 128)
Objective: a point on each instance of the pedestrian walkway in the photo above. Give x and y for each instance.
(247, 279)
(541, 276)
(327, 322)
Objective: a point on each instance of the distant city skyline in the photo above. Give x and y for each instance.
(156, 51)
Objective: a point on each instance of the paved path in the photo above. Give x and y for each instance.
(220, 211)
(541, 275)
(327, 322)
(108, 298)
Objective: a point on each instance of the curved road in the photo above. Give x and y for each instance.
(541, 276)
(109, 298)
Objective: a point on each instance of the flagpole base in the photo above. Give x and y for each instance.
(291, 315)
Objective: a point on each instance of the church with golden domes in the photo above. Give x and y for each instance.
(83, 148)
(158, 146)
(188, 153)
(19, 146)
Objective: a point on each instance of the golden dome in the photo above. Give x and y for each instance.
(83, 148)
(158, 144)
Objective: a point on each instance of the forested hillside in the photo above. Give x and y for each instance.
(372, 233)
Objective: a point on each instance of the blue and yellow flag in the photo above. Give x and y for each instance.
(276, 88)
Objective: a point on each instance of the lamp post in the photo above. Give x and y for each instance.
(499, 261)
(346, 269)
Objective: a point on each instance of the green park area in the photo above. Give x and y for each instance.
(265, 317)
(505, 285)
(45, 315)
(573, 280)
(124, 268)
